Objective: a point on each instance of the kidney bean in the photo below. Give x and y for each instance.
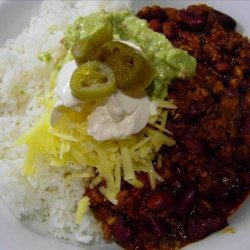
(186, 200)
(171, 13)
(156, 12)
(158, 226)
(190, 22)
(155, 25)
(144, 13)
(199, 228)
(223, 67)
(121, 230)
(169, 30)
(225, 20)
(161, 200)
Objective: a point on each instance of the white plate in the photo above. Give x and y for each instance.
(15, 235)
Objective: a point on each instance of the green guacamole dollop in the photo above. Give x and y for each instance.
(169, 62)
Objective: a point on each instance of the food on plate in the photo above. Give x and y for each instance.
(143, 119)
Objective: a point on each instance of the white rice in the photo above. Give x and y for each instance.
(44, 197)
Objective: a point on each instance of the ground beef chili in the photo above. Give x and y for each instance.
(207, 174)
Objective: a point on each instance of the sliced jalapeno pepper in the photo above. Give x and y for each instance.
(92, 80)
(132, 70)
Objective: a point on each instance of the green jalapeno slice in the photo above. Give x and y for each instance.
(132, 70)
(92, 80)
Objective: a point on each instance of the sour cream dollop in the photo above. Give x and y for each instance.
(62, 85)
(63, 92)
(119, 117)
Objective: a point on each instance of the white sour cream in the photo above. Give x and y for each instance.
(63, 91)
(62, 85)
(120, 117)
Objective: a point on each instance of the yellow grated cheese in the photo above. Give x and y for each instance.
(159, 161)
(111, 160)
(152, 176)
(154, 119)
(165, 104)
(78, 156)
(127, 163)
(61, 153)
(64, 136)
(144, 152)
(97, 180)
(67, 146)
(108, 194)
(118, 177)
(30, 161)
(136, 183)
(158, 139)
(105, 168)
(157, 176)
(164, 115)
(56, 162)
(41, 125)
(161, 128)
(141, 166)
(76, 175)
(140, 144)
(112, 157)
(82, 208)
(87, 147)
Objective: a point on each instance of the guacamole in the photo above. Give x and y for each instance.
(168, 61)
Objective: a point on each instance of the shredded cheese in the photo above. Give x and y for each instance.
(127, 163)
(112, 161)
(82, 208)
(165, 104)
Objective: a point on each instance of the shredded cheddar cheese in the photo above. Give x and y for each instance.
(112, 160)
(83, 207)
